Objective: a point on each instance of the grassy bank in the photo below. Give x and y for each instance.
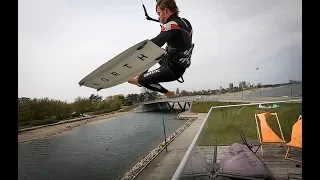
(123, 109)
(221, 126)
(34, 123)
(128, 108)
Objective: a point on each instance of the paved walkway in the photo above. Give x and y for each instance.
(165, 164)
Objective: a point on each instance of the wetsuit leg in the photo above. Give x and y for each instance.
(152, 78)
(159, 62)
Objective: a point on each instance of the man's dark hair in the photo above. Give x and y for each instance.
(170, 4)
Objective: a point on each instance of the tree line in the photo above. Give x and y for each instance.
(39, 111)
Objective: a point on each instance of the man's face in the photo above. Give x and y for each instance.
(162, 15)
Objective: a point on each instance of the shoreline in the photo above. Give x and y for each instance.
(47, 131)
(50, 131)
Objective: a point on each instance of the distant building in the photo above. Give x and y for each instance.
(242, 85)
(250, 85)
(231, 86)
(295, 81)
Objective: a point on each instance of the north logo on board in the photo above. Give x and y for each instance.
(130, 63)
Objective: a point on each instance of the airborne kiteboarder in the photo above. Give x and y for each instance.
(177, 33)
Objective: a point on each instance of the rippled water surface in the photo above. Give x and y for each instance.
(98, 150)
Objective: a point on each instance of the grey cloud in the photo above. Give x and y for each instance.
(61, 41)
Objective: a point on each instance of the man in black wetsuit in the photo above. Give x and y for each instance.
(177, 33)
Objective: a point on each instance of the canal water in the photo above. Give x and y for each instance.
(99, 150)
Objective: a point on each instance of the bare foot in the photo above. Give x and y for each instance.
(170, 94)
(134, 81)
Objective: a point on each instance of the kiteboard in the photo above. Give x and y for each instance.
(125, 66)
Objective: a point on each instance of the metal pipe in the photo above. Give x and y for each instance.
(186, 156)
(184, 160)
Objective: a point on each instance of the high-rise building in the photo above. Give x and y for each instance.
(231, 86)
(242, 85)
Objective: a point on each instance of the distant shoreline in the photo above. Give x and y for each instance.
(247, 91)
(49, 131)
(53, 130)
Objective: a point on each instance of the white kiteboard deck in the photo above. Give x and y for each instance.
(125, 66)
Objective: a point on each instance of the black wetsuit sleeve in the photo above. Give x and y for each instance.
(162, 38)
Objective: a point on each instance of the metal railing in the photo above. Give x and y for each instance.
(184, 161)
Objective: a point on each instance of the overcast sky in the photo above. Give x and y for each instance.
(61, 41)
